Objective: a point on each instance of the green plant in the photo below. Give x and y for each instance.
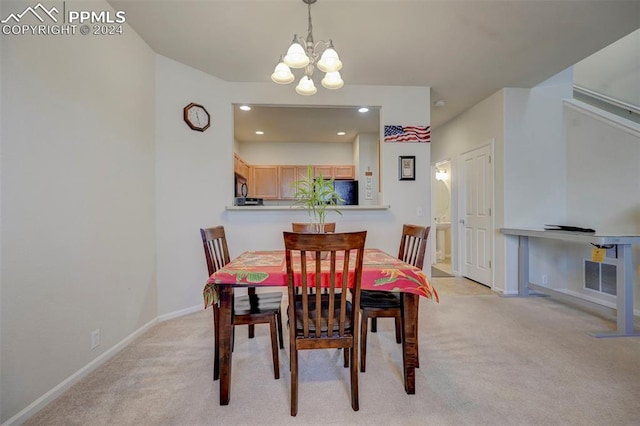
(315, 194)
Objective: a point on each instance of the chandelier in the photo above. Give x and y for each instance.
(305, 54)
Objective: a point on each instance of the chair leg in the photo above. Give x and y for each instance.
(398, 329)
(355, 404)
(251, 292)
(374, 324)
(417, 340)
(216, 343)
(279, 324)
(364, 324)
(345, 352)
(294, 380)
(274, 348)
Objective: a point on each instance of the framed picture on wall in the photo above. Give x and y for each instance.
(407, 167)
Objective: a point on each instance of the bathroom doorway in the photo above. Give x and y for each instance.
(441, 228)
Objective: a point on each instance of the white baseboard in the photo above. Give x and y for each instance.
(180, 313)
(54, 393)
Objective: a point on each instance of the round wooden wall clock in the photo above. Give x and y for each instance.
(197, 117)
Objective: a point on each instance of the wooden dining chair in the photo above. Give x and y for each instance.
(323, 320)
(384, 304)
(250, 309)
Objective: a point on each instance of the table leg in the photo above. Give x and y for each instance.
(625, 296)
(624, 290)
(409, 340)
(226, 331)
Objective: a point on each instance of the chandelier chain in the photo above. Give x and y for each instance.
(308, 54)
(310, 28)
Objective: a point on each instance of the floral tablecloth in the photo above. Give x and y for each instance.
(380, 271)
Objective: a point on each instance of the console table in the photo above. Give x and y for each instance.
(624, 273)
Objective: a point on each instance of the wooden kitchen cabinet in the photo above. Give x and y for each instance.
(325, 171)
(240, 167)
(276, 182)
(288, 175)
(336, 172)
(344, 172)
(265, 182)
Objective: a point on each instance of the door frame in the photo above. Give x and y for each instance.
(434, 226)
(462, 190)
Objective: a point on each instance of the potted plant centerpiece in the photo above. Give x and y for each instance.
(315, 194)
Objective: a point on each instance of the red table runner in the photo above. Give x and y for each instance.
(380, 271)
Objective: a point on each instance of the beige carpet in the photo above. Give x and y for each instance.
(439, 273)
(485, 360)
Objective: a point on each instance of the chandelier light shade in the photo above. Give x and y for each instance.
(332, 80)
(308, 54)
(296, 56)
(329, 61)
(306, 87)
(282, 74)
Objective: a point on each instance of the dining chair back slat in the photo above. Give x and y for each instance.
(324, 319)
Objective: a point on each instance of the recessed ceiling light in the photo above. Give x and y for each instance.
(259, 132)
(341, 133)
(245, 107)
(363, 109)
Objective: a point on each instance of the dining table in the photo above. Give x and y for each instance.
(381, 271)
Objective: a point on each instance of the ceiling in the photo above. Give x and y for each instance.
(464, 50)
(303, 124)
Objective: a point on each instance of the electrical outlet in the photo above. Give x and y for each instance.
(545, 279)
(95, 338)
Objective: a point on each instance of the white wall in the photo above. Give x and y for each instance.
(525, 126)
(78, 213)
(603, 184)
(367, 155)
(195, 174)
(535, 173)
(613, 71)
(1, 186)
(194, 179)
(476, 127)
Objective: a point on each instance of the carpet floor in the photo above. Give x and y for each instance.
(439, 273)
(484, 360)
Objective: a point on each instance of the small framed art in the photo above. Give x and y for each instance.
(407, 167)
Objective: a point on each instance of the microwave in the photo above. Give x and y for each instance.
(240, 188)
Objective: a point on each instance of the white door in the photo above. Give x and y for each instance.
(476, 200)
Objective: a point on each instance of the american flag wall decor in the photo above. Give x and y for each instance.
(407, 134)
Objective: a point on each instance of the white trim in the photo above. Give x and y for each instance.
(623, 124)
(581, 298)
(434, 224)
(604, 98)
(58, 390)
(180, 313)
